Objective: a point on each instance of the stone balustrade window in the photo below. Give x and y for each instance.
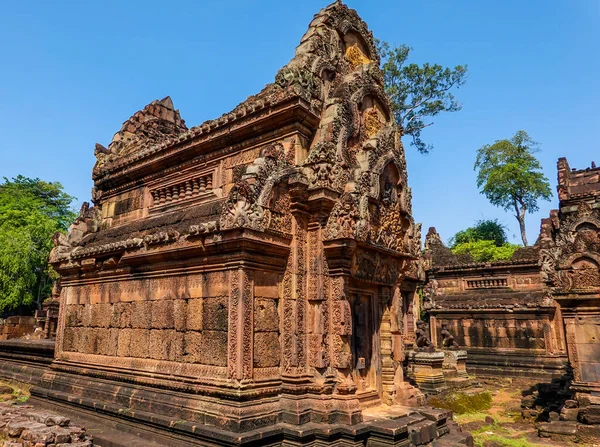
(182, 191)
(486, 283)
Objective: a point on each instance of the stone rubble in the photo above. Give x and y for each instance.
(26, 426)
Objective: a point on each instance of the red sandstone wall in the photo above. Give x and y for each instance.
(174, 319)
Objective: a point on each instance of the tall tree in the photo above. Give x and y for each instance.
(31, 211)
(418, 92)
(510, 176)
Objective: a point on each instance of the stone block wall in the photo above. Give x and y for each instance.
(175, 319)
(500, 312)
(267, 346)
(481, 330)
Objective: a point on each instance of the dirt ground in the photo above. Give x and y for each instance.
(501, 425)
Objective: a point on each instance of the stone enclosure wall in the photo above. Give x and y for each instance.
(500, 312)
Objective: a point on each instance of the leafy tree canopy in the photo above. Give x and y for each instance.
(485, 251)
(510, 176)
(483, 230)
(418, 92)
(31, 211)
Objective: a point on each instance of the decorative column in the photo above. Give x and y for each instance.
(294, 302)
(318, 311)
(241, 321)
(387, 363)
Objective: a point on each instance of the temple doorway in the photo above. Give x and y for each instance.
(366, 367)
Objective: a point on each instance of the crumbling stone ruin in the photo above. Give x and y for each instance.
(42, 325)
(17, 327)
(252, 277)
(500, 312)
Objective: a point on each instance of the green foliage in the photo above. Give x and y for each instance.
(486, 241)
(418, 91)
(495, 435)
(461, 403)
(485, 251)
(31, 211)
(484, 230)
(510, 176)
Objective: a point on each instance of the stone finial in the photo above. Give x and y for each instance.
(158, 121)
(432, 238)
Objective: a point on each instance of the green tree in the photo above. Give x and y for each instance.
(483, 230)
(510, 176)
(485, 251)
(31, 211)
(418, 92)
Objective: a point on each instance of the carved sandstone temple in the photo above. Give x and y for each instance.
(570, 263)
(254, 271)
(500, 312)
(536, 315)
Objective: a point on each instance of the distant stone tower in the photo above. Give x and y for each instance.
(239, 279)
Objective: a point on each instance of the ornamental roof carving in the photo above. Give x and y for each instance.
(245, 171)
(570, 237)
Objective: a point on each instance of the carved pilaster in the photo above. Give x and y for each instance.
(240, 339)
(572, 348)
(299, 280)
(387, 364)
(341, 331)
(318, 319)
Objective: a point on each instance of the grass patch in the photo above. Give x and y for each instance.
(467, 418)
(20, 390)
(496, 435)
(461, 403)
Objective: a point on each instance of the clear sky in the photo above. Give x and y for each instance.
(73, 71)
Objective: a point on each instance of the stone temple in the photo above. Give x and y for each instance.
(250, 281)
(258, 280)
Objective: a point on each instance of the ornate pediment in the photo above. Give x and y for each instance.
(571, 256)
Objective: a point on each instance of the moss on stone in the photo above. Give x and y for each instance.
(497, 436)
(461, 403)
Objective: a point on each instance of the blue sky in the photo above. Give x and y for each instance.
(73, 71)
